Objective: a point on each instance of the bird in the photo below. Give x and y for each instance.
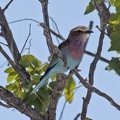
(72, 51)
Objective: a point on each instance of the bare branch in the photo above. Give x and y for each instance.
(95, 90)
(60, 84)
(93, 55)
(90, 28)
(4, 44)
(101, 8)
(55, 27)
(13, 49)
(77, 116)
(13, 64)
(26, 39)
(26, 19)
(48, 37)
(3, 64)
(76, 88)
(7, 5)
(57, 35)
(44, 4)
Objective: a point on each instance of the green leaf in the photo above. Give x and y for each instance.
(28, 60)
(114, 19)
(43, 94)
(37, 104)
(89, 8)
(53, 77)
(35, 79)
(41, 106)
(12, 76)
(115, 41)
(9, 70)
(117, 5)
(44, 66)
(12, 86)
(52, 84)
(115, 64)
(69, 90)
(32, 98)
(87, 118)
(34, 63)
(112, 2)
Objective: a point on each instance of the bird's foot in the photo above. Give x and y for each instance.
(78, 70)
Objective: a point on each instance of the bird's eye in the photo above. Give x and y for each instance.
(79, 31)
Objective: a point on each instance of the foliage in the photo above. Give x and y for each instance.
(35, 68)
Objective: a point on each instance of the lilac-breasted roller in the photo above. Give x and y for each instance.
(71, 49)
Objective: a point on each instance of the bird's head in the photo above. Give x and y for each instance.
(80, 32)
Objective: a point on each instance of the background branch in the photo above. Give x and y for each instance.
(44, 4)
(95, 90)
(7, 5)
(13, 48)
(103, 24)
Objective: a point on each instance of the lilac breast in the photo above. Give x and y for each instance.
(75, 49)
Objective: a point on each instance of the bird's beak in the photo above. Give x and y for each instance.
(89, 31)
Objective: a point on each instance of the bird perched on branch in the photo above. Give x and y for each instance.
(71, 50)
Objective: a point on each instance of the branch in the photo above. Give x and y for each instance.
(44, 4)
(24, 20)
(7, 5)
(13, 48)
(4, 44)
(18, 70)
(93, 55)
(95, 90)
(58, 89)
(90, 28)
(14, 101)
(100, 8)
(26, 39)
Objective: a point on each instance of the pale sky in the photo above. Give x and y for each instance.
(67, 14)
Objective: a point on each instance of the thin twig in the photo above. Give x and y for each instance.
(57, 35)
(60, 118)
(77, 116)
(26, 19)
(26, 39)
(76, 88)
(3, 44)
(71, 90)
(55, 27)
(93, 55)
(47, 34)
(12, 63)
(7, 5)
(3, 64)
(90, 28)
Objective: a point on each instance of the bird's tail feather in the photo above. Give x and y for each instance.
(49, 72)
(44, 79)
